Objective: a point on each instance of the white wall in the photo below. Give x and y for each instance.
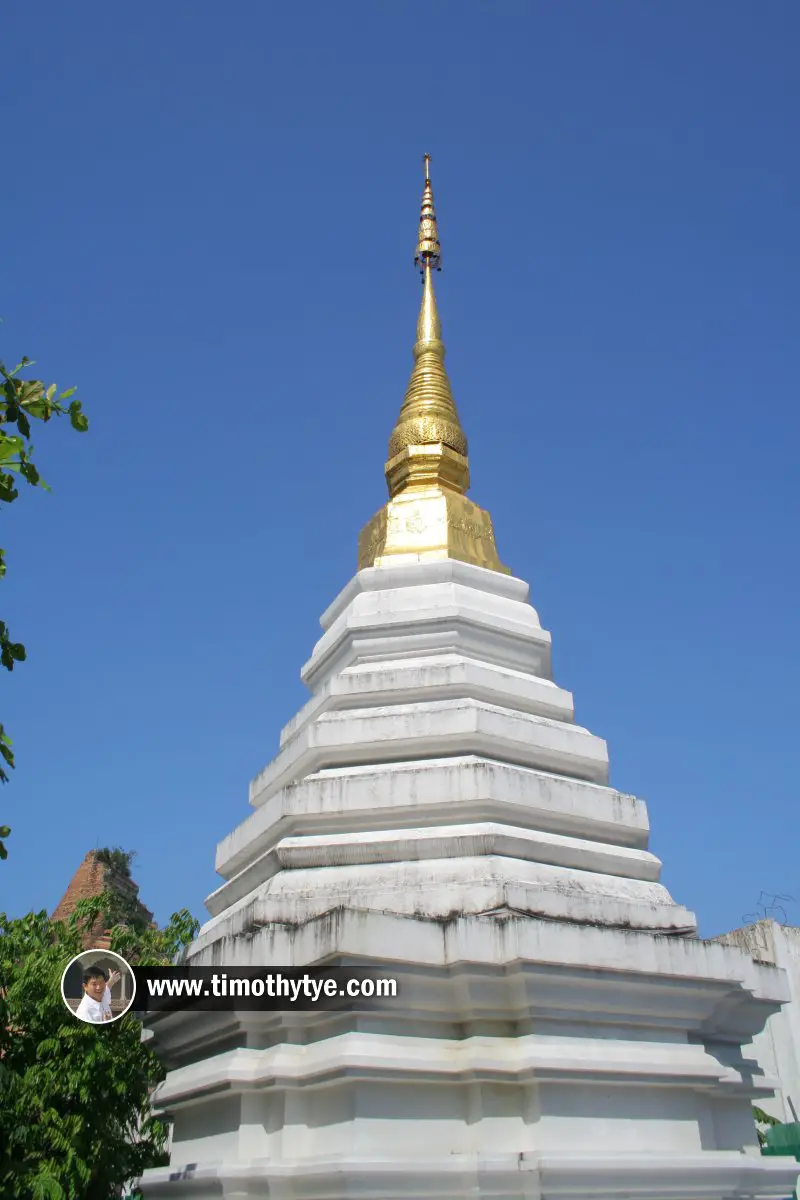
(777, 1047)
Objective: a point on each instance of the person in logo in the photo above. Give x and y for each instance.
(95, 1005)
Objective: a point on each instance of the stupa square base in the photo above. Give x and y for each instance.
(521, 1058)
(571, 1176)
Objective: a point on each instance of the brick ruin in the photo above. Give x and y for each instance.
(92, 878)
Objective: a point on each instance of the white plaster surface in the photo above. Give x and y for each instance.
(777, 1046)
(434, 790)
(435, 812)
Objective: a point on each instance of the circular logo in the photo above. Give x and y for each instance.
(98, 986)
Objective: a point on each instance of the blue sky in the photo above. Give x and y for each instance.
(208, 223)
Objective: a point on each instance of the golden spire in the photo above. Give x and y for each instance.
(428, 515)
(428, 416)
(429, 252)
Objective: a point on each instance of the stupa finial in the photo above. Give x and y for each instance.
(429, 252)
(428, 416)
(428, 516)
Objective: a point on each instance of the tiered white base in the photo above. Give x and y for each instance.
(434, 813)
(523, 1058)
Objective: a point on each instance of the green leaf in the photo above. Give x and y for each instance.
(10, 445)
(39, 409)
(78, 419)
(18, 651)
(24, 362)
(30, 389)
(69, 392)
(764, 1118)
(29, 471)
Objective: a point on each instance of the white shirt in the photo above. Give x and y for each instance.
(95, 1011)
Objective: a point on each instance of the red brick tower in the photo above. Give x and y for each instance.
(93, 877)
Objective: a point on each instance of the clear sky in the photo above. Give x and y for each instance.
(208, 223)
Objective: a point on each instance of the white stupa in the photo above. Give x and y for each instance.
(435, 813)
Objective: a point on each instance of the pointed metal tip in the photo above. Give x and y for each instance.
(429, 250)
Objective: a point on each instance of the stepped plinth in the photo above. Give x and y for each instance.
(435, 813)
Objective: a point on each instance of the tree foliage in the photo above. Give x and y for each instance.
(763, 1121)
(118, 859)
(21, 401)
(75, 1117)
